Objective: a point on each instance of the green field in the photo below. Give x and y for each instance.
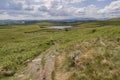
(99, 42)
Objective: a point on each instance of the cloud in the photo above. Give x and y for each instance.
(10, 5)
(112, 10)
(100, 0)
(52, 9)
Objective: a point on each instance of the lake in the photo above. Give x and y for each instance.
(60, 27)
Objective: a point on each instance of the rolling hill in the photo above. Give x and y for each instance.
(87, 51)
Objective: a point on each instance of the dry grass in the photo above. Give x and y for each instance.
(98, 62)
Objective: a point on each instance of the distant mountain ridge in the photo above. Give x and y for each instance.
(18, 22)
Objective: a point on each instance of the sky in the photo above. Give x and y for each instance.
(58, 9)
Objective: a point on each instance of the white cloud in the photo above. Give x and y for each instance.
(100, 0)
(47, 9)
(112, 10)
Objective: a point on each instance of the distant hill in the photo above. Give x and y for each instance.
(17, 22)
(115, 19)
(72, 20)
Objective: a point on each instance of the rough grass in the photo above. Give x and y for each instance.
(98, 61)
(20, 44)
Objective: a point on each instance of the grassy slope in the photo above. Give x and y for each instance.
(19, 44)
(99, 59)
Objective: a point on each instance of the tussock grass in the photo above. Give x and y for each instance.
(97, 62)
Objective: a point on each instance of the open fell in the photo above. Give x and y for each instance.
(88, 50)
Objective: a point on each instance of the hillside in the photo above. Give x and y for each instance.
(87, 51)
(115, 19)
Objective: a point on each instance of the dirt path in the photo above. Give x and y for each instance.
(42, 67)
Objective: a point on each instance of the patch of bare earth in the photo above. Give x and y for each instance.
(42, 67)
